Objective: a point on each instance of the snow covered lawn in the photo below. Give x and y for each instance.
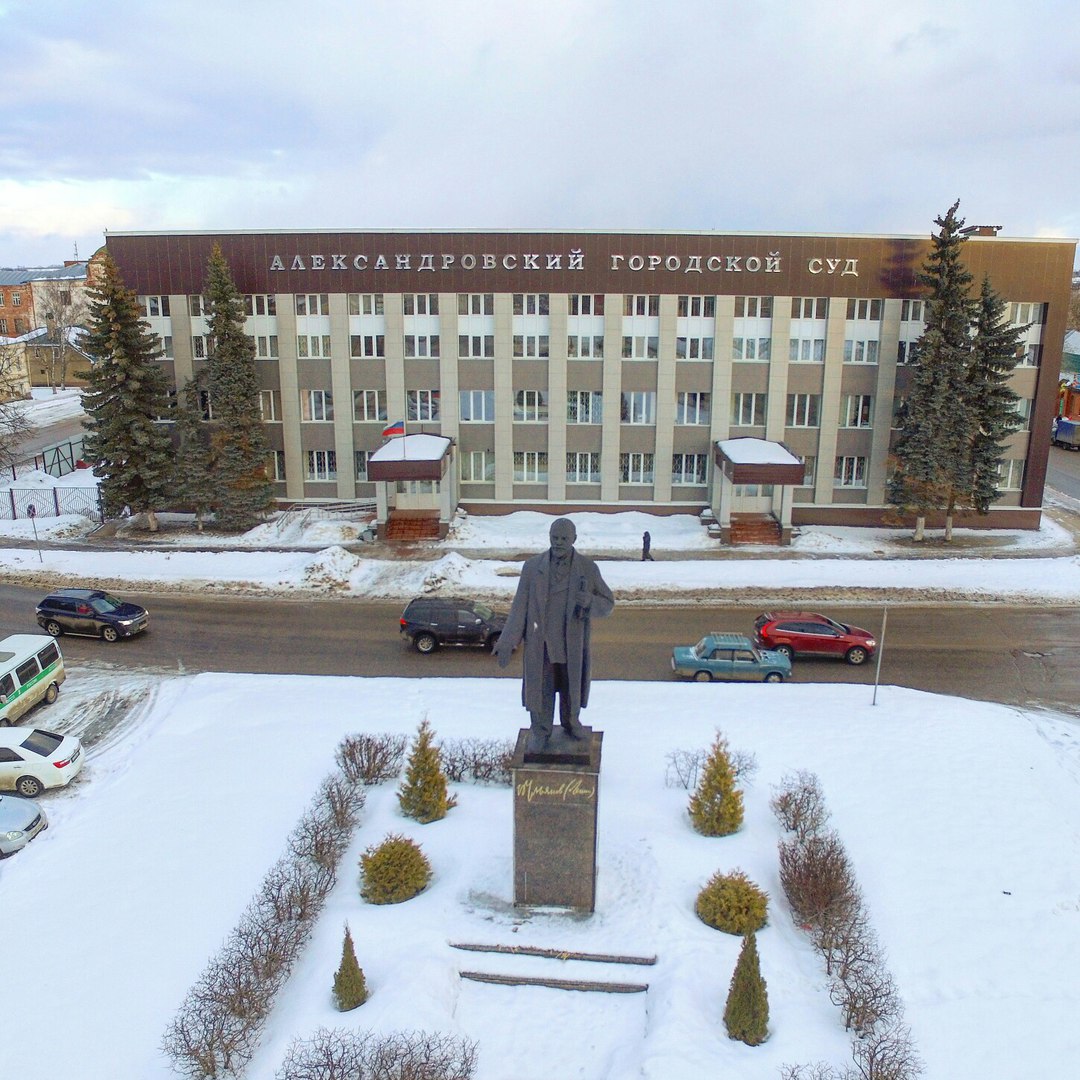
(960, 819)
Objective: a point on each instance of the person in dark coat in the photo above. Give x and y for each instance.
(646, 546)
(559, 593)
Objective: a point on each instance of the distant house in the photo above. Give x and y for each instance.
(1070, 354)
(14, 373)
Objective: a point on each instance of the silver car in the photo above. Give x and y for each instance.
(20, 821)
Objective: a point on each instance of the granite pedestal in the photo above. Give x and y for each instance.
(556, 794)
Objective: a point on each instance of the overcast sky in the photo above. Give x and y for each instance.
(818, 116)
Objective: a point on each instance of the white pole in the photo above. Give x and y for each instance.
(880, 650)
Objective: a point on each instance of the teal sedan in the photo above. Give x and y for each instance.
(729, 658)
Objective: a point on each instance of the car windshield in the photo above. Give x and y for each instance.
(42, 742)
(483, 611)
(105, 604)
(702, 648)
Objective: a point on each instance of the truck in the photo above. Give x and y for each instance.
(1065, 433)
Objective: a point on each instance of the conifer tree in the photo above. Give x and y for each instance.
(716, 807)
(243, 491)
(424, 794)
(192, 480)
(930, 453)
(746, 1014)
(125, 398)
(994, 355)
(350, 987)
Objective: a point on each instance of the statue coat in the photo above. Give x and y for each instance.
(526, 623)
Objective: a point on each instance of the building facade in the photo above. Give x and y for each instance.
(598, 371)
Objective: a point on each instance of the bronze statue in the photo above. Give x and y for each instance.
(559, 594)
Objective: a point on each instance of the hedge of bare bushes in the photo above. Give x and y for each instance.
(340, 1054)
(216, 1029)
(482, 761)
(819, 882)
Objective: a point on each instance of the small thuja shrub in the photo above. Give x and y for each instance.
(350, 989)
(393, 871)
(732, 903)
(716, 807)
(746, 1014)
(424, 794)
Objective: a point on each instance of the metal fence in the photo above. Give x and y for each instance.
(50, 502)
(56, 460)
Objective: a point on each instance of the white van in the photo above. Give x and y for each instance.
(31, 668)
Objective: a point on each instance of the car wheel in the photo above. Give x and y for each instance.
(109, 634)
(53, 628)
(786, 650)
(774, 676)
(425, 643)
(52, 693)
(702, 676)
(29, 787)
(856, 655)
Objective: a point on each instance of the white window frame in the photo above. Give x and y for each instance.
(422, 346)
(530, 407)
(360, 463)
(476, 346)
(1011, 474)
(585, 347)
(749, 408)
(476, 406)
(849, 471)
(857, 411)
(478, 467)
(317, 406)
(689, 470)
(420, 303)
(476, 303)
(369, 406)
(803, 411)
(638, 407)
(693, 407)
(321, 465)
(367, 346)
(583, 467)
(637, 468)
(584, 407)
(269, 406)
(422, 406)
(530, 467)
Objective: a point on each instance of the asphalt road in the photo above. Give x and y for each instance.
(1063, 471)
(1017, 656)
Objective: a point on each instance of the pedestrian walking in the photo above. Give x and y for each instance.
(646, 546)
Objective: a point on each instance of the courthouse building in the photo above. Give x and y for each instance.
(739, 374)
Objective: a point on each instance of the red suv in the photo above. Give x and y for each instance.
(802, 633)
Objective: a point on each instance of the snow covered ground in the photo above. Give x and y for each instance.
(961, 819)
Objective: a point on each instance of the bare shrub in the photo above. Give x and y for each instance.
(483, 761)
(887, 1053)
(819, 1070)
(799, 804)
(817, 879)
(867, 998)
(343, 800)
(371, 759)
(684, 767)
(340, 1054)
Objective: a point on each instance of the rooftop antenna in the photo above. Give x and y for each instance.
(76, 250)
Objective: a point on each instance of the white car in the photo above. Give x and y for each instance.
(32, 760)
(20, 821)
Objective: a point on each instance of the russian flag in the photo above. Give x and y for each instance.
(396, 428)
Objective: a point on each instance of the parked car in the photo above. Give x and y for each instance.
(32, 760)
(20, 821)
(731, 657)
(803, 633)
(91, 612)
(31, 670)
(430, 622)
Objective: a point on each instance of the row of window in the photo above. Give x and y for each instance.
(583, 467)
(14, 298)
(19, 326)
(760, 307)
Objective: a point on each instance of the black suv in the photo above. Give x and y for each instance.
(431, 622)
(90, 612)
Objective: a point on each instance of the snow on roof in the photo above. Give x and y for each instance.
(412, 448)
(756, 452)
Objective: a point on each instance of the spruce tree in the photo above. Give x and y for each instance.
(424, 795)
(192, 478)
(243, 491)
(746, 1014)
(930, 453)
(994, 355)
(125, 398)
(716, 807)
(350, 987)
